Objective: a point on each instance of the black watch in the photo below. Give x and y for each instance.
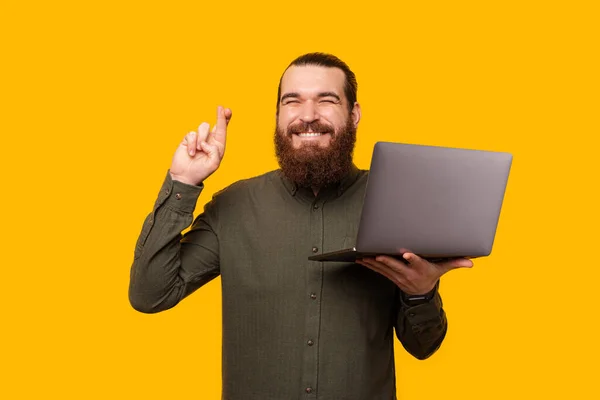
(415, 300)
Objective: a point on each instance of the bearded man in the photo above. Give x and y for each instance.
(292, 328)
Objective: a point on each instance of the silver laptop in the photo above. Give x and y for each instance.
(436, 202)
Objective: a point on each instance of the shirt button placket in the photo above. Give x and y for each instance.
(314, 271)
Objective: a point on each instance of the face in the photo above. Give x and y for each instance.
(315, 134)
(313, 106)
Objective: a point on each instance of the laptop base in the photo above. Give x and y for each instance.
(351, 255)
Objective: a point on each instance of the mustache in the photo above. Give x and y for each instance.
(315, 126)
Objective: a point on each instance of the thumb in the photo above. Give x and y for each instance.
(211, 151)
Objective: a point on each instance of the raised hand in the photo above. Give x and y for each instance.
(200, 152)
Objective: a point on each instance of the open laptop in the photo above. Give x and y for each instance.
(436, 202)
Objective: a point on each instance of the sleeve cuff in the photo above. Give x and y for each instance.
(178, 196)
(429, 310)
(422, 313)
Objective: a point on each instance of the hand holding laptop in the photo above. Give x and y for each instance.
(413, 275)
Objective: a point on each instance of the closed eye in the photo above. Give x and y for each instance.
(329, 97)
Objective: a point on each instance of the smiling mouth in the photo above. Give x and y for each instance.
(309, 134)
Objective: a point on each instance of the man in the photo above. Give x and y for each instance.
(292, 328)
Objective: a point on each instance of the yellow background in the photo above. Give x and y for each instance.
(97, 95)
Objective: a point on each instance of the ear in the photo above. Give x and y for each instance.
(356, 114)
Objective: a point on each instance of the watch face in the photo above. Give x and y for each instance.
(417, 300)
(413, 300)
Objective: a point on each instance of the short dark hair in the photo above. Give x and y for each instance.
(330, 61)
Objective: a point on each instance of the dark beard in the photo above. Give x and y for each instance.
(312, 166)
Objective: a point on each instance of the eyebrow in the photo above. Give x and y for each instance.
(330, 94)
(294, 95)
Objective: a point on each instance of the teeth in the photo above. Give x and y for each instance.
(309, 134)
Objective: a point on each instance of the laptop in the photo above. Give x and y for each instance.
(437, 202)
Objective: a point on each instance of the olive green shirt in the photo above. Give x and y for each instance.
(292, 328)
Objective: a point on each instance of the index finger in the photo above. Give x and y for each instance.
(223, 118)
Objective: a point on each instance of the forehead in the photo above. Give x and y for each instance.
(312, 79)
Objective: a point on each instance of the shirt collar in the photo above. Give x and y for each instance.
(341, 186)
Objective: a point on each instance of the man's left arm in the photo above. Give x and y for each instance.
(420, 319)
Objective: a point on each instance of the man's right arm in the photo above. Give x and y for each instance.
(167, 266)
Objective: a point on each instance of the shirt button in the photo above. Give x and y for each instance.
(316, 207)
(178, 196)
(315, 249)
(313, 296)
(308, 390)
(167, 192)
(310, 342)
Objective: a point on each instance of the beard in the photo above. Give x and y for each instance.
(313, 166)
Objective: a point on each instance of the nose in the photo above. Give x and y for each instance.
(309, 112)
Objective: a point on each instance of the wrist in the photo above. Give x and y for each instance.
(425, 292)
(183, 179)
(412, 299)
